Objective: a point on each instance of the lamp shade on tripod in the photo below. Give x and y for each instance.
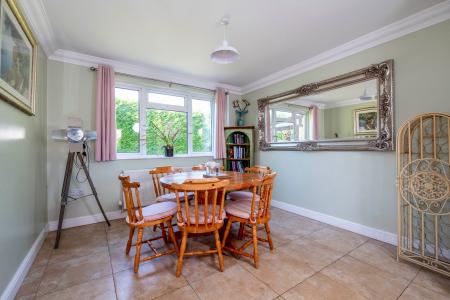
(73, 135)
(78, 156)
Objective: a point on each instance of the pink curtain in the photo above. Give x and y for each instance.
(105, 145)
(315, 122)
(221, 108)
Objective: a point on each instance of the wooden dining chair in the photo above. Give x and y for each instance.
(139, 218)
(252, 211)
(261, 170)
(238, 195)
(163, 194)
(206, 214)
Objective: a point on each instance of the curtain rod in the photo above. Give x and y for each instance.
(163, 81)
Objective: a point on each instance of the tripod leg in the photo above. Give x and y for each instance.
(64, 195)
(94, 192)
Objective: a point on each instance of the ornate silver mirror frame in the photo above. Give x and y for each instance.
(384, 141)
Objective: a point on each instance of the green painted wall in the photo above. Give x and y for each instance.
(71, 93)
(23, 200)
(340, 120)
(360, 186)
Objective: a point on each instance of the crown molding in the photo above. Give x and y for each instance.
(425, 18)
(36, 15)
(81, 59)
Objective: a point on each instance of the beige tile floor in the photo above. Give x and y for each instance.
(311, 260)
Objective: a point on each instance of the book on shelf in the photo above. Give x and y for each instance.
(239, 152)
(237, 166)
(238, 138)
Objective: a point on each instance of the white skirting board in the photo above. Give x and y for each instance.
(86, 220)
(14, 285)
(373, 233)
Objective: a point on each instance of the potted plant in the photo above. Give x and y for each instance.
(169, 136)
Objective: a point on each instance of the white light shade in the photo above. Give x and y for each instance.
(366, 96)
(75, 134)
(225, 54)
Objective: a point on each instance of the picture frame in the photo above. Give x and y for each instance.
(365, 121)
(18, 55)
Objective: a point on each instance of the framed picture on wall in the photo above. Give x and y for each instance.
(365, 121)
(18, 54)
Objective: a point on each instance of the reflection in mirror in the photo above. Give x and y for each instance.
(289, 122)
(345, 113)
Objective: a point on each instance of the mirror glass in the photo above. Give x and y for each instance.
(345, 113)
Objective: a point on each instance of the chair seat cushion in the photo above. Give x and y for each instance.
(201, 214)
(238, 195)
(158, 211)
(240, 208)
(172, 197)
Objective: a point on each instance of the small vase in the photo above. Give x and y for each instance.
(240, 122)
(168, 151)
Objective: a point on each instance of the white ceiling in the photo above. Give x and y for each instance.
(350, 92)
(178, 36)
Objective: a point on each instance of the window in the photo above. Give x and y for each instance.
(288, 124)
(127, 120)
(146, 117)
(165, 99)
(201, 126)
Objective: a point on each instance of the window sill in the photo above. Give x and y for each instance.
(123, 156)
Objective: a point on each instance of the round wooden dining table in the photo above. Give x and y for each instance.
(238, 181)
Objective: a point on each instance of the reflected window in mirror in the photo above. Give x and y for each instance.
(289, 123)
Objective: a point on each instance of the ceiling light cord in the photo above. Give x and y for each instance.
(225, 23)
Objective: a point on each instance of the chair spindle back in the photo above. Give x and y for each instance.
(208, 204)
(261, 170)
(133, 203)
(261, 209)
(159, 172)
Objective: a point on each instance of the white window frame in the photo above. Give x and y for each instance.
(293, 111)
(144, 105)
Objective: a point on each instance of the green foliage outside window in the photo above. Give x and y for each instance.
(127, 115)
(201, 133)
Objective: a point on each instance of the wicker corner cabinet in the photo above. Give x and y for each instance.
(240, 146)
(423, 187)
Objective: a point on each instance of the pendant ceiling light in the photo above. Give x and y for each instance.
(225, 54)
(366, 96)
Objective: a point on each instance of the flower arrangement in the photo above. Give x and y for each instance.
(240, 111)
